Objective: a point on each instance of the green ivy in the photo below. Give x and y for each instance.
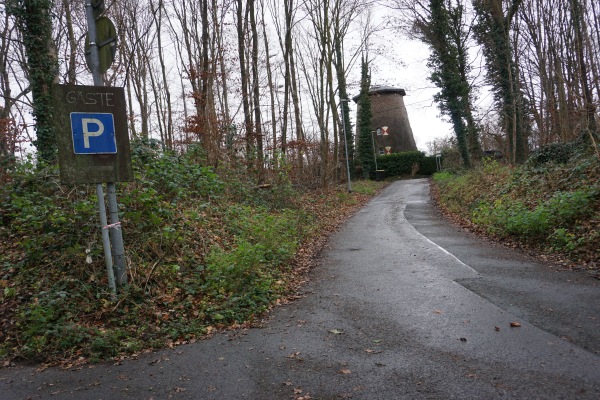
(508, 217)
(35, 23)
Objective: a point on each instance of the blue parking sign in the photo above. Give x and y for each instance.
(93, 133)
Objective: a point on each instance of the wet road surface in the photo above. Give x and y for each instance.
(401, 306)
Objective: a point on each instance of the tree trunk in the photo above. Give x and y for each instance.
(71, 78)
(241, 22)
(35, 23)
(271, 89)
(256, 89)
(588, 98)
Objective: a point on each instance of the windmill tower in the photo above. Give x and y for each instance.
(391, 129)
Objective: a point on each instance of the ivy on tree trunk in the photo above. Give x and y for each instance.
(365, 140)
(35, 24)
(493, 33)
(448, 62)
(341, 78)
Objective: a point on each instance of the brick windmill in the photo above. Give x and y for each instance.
(391, 129)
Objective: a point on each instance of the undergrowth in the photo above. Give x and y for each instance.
(551, 202)
(205, 248)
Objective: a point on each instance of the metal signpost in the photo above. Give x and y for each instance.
(93, 141)
(346, 144)
(374, 151)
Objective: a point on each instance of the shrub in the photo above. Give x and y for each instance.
(559, 153)
(398, 164)
(544, 203)
(244, 274)
(508, 217)
(428, 165)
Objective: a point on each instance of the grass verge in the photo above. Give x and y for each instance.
(553, 207)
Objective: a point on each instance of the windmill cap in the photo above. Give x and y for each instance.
(382, 90)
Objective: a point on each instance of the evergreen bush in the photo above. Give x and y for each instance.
(399, 164)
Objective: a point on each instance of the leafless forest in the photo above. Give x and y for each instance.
(261, 80)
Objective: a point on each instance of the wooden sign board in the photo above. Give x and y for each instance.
(91, 133)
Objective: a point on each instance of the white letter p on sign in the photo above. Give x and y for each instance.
(86, 122)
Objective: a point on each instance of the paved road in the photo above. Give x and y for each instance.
(401, 306)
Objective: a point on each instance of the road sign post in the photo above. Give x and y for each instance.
(93, 142)
(92, 134)
(342, 101)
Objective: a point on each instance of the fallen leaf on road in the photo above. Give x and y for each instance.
(437, 311)
(462, 339)
(497, 328)
(515, 324)
(336, 331)
(345, 371)
(42, 368)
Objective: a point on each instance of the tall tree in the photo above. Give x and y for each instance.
(67, 12)
(291, 86)
(581, 35)
(288, 49)
(165, 122)
(316, 63)
(35, 23)
(448, 63)
(10, 57)
(558, 64)
(241, 24)
(366, 155)
(270, 85)
(493, 32)
(343, 13)
(444, 26)
(258, 135)
(136, 27)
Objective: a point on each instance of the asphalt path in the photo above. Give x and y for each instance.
(402, 305)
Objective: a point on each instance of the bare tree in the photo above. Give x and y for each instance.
(11, 58)
(270, 85)
(559, 67)
(162, 93)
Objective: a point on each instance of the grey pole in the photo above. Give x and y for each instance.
(115, 228)
(346, 145)
(374, 152)
(105, 239)
(94, 56)
(116, 235)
